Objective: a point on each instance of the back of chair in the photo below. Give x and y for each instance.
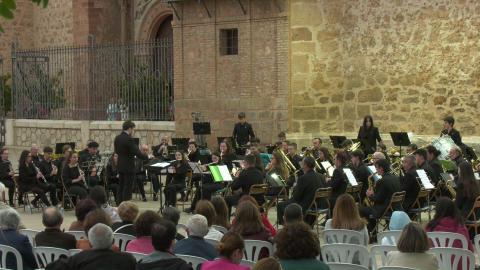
(395, 268)
(247, 263)
(396, 200)
(194, 261)
(391, 237)
(74, 251)
(220, 229)
(138, 256)
(123, 227)
(121, 240)
(345, 253)
(322, 194)
(343, 236)
(346, 266)
(447, 239)
(473, 213)
(476, 242)
(46, 255)
(78, 234)
(454, 258)
(213, 242)
(4, 251)
(30, 234)
(380, 251)
(253, 248)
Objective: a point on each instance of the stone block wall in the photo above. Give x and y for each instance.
(406, 62)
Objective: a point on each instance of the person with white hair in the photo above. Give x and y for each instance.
(9, 236)
(195, 244)
(101, 256)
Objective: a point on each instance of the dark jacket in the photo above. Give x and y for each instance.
(384, 190)
(227, 160)
(194, 156)
(195, 246)
(181, 169)
(246, 179)
(307, 185)
(27, 176)
(338, 184)
(464, 204)
(126, 149)
(162, 262)
(71, 173)
(22, 244)
(410, 185)
(437, 170)
(361, 174)
(369, 138)
(46, 168)
(5, 170)
(242, 133)
(112, 174)
(95, 259)
(55, 238)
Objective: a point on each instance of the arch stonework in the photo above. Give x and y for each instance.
(151, 20)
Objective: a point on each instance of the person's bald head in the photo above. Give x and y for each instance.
(378, 156)
(144, 148)
(52, 218)
(34, 149)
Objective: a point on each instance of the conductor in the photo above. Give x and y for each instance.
(126, 149)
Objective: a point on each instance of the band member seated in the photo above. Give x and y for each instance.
(140, 172)
(276, 168)
(6, 174)
(360, 171)
(408, 182)
(304, 191)
(93, 178)
(338, 182)
(448, 130)
(281, 136)
(434, 163)
(74, 178)
(411, 148)
(193, 152)
(378, 156)
(383, 149)
(89, 156)
(467, 189)
(316, 145)
(227, 156)
(36, 157)
(176, 179)
(261, 159)
(240, 186)
(161, 150)
(455, 155)
(242, 132)
(295, 159)
(421, 161)
(50, 172)
(368, 135)
(381, 194)
(113, 177)
(30, 179)
(284, 146)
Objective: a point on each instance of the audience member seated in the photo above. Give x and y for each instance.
(52, 236)
(143, 229)
(347, 217)
(291, 243)
(128, 212)
(467, 189)
(249, 225)
(447, 218)
(293, 213)
(99, 196)
(206, 209)
(173, 214)
(82, 208)
(99, 257)
(163, 239)
(269, 263)
(263, 215)
(195, 245)
(221, 209)
(9, 236)
(93, 218)
(412, 250)
(230, 249)
(398, 221)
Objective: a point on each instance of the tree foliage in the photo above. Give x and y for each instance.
(7, 7)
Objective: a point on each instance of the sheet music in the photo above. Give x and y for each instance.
(195, 167)
(328, 167)
(373, 171)
(225, 173)
(350, 177)
(424, 179)
(161, 164)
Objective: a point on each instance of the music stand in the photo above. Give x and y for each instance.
(400, 139)
(337, 141)
(201, 128)
(59, 147)
(180, 143)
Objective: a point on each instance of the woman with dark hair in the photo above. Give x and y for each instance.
(434, 163)
(298, 248)
(369, 135)
(82, 208)
(221, 208)
(176, 179)
(263, 215)
(276, 171)
(31, 179)
(467, 189)
(74, 178)
(143, 229)
(206, 209)
(230, 249)
(226, 154)
(448, 219)
(113, 177)
(338, 181)
(412, 250)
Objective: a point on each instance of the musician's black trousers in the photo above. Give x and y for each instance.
(52, 188)
(171, 191)
(114, 188)
(11, 189)
(367, 213)
(206, 191)
(79, 191)
(39, 190)
(125, 187)
(139, 181)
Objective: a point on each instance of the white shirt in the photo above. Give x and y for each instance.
(214, 234)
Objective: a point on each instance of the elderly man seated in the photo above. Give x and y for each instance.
(195, 245)
(99, 257)
(52, 236)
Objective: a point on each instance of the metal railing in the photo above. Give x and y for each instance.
(94, 82)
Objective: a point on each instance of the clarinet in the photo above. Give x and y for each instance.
(42, 177)
(81, 173)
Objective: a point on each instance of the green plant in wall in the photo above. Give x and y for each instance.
(7, 7)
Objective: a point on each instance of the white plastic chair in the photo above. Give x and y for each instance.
(182, 227)
(395, 268)
(476, 242)
(4, 250)
(247, 263)
(194, 261)
(450, 258)
(30, 234)
(345, 253)
(381, 251)
(78, 234)
(446, 239)
(343, 236)
(46, 255)
(74, 251)
(346, 266)
(122, 227)
(253, 248)
(138, 256)
(121, 240)
(213, 242)
(220, 229)
(391, 236)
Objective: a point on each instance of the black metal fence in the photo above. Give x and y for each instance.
(94, 82)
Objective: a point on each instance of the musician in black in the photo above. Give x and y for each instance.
(338, 182)
(243, 131)
(89, 156)
(141, 172)
(382, 194)
(193, 152)
(30, 179)
(408, 182)
(360, 171)
(36, 157)
(241, 185)
(161, 151)
(369, 135)
(316, 147)
(456, 156)
(93, 178)
(50, 172)
(113, 177)
(176, 179)
(74, 178)
(434, 163)
(226, 155)
(448, 129)
(6, 174)
(422, 163)
(295, 159)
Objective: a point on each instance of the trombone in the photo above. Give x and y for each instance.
(291, 168)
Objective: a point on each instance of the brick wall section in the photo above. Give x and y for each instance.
(408, 63)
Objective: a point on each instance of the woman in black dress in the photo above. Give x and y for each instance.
(176, 179)
(368, 136)
(113, 178)
(30, 179)
(74, 178)
(468, 189)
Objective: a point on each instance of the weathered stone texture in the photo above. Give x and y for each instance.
(408, 63)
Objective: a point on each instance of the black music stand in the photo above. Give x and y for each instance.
(337, 141)
(180, 143)
(59, 147)
(400, 139)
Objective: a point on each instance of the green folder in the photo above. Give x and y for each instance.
(220, 173)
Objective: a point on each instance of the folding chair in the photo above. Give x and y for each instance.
(472, 220)
(418, 209)
(321, 194)
(258, 191)
(396, 200)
